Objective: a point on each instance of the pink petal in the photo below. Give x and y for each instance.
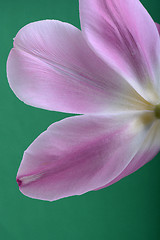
(80, 154)
(158, 27)
(147, 152)
(52, 67)
(124, 35)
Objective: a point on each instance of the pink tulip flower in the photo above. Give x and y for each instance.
(110, 72)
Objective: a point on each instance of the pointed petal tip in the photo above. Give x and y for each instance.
(19, 182)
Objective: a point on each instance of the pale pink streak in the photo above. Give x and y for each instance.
(124, 35)
(52, 67)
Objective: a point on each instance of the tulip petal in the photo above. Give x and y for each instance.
(80, 154)
(52, 67)
(124, 35)
(148, 151)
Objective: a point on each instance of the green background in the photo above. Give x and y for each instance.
(129, 209)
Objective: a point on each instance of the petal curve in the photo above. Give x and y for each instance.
(80, 154)
(123, 34)
(52, 67)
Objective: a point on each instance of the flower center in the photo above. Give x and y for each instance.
(157, 111)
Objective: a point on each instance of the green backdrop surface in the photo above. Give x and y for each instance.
(128, 210)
